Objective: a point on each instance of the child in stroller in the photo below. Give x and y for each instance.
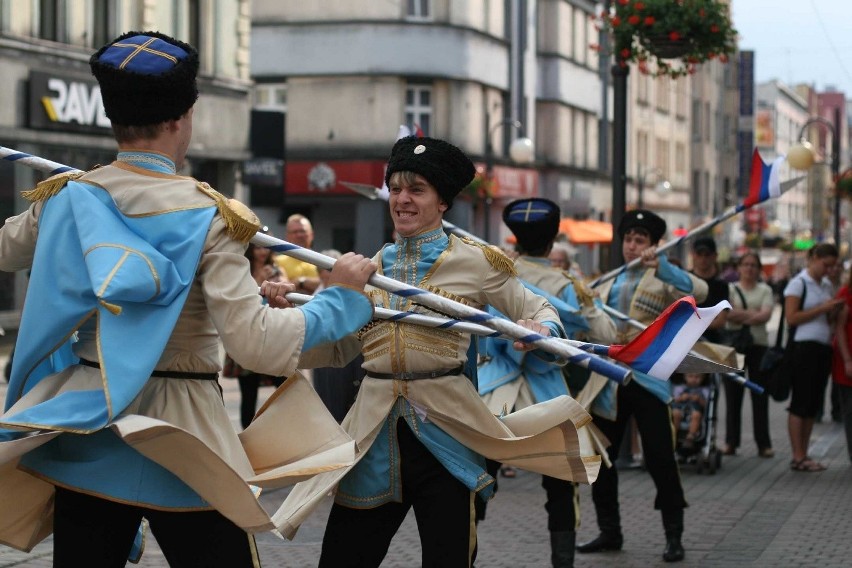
(689, 402)
(694, 397)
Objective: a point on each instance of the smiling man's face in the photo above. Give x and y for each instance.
(415, 207)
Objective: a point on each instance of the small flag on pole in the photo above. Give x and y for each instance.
(659, 349)
(765, 183)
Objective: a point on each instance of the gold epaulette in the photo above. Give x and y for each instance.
(496, 257)
(585, 295)
(240, 221)
(50, 187)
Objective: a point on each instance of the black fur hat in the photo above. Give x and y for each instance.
(146, 78)
(443, 165)
(534, 222)
(643, 219)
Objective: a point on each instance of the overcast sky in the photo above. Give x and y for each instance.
(798, 41)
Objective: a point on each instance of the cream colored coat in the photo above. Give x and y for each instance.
(183, 424)
(542, 438)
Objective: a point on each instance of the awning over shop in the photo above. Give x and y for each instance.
(586, 232)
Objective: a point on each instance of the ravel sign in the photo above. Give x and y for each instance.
(69, 104)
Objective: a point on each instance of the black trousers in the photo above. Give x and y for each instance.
(562, 505)
(653, 420)
(97, 533)
(759, 404)
(249, 385)
(443, 508)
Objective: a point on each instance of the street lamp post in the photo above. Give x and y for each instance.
(521, 151)
(801, 157)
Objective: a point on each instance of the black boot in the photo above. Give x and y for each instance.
(609, 522)
(673, 525)
(562, 548)
(602, 543)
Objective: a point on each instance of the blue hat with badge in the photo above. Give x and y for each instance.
(146, 78)
(534, 222)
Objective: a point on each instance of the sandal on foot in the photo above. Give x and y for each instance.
(807, 465)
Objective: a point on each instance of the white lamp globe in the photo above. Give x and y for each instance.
(801, 156)
(521, 151)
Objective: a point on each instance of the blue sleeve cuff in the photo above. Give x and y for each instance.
(671, 274)
(333, 314)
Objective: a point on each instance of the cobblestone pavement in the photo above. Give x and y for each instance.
(752, 512)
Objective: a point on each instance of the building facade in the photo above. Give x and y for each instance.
(478, 73)
(52, 105)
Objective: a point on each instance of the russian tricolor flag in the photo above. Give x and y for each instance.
(765, 182)
(661, 347)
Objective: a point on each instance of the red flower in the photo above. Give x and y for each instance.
(639, 6)
(616, 21)
(723, 58)
(624, 2)
(674, 36)
(634, 20)
(625, 53)
(649, 20)
(701, 12)
(714, 28)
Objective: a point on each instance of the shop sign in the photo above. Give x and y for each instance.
(66, 103)
(263, 171)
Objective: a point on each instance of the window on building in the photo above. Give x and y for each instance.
(663, 93)
(194, 23)
(662, 162)
(418, 10)
(707, 122)
(680, 158)
(418, 108)
(104, 19)
(642, 82)
(696, 120)
(51, 20)
(642, 149)
(270, 96)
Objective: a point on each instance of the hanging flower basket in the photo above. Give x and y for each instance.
(665, 48)
(669, 37)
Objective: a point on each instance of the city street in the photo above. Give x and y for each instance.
(752, 512)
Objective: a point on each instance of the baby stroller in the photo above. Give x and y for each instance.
(700, 450)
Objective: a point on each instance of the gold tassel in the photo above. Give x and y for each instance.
(585, 295)
(240, 221)
(113, 309)
(50, 187)
(496, 257)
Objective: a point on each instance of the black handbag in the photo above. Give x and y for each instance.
(777, 362)
(740, 339)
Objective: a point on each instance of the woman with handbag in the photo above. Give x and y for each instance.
(812, 353)
(752, 302)
(842, 371)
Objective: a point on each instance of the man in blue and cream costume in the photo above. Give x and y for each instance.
(418, 420)
(515, 380)
(642, 293)
(146, 268)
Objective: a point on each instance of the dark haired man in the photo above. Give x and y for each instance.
(642, 293)
(419, 422)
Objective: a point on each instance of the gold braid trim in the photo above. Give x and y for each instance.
(240, 221)
(50, 187)
(496, 257)
(585, 295)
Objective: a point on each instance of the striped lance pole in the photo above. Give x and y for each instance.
(694, 362)
(691, 364)
(552, 345)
